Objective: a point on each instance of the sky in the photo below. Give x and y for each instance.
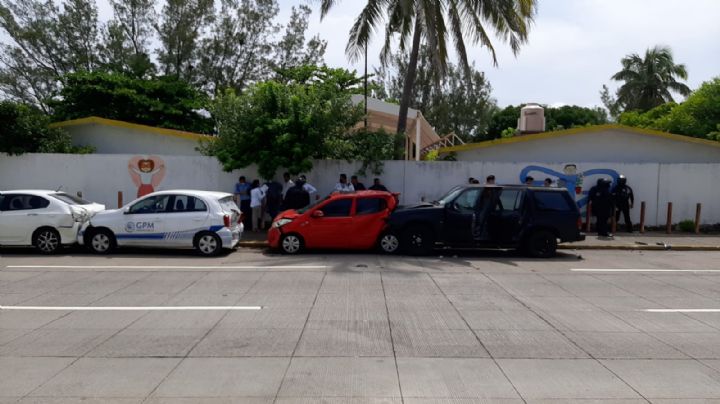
(574, 45)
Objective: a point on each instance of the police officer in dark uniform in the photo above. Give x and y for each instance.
(296, 197)
(624, 200)
(602, 205)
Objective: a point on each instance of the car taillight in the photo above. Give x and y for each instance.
(226, 220)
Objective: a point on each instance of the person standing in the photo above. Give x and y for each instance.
(378, 186)
(287, 183)
(257, 196)
(602, 206)
(297, 197)
(529, 180)
(309, 188)
(548, 183)
(343, 186)
(242, 199)
(490, 180)
(273, 198)
(624, 201)
(357, 185)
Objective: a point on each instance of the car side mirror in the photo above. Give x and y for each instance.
(126, 210)
(318, 213)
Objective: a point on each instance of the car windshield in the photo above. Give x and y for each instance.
(449, 196)
(69, 199)
(305, 209)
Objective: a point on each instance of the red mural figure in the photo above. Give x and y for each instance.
(146, 173)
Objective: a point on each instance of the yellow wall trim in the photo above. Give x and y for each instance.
(577, 131)
(95, 120)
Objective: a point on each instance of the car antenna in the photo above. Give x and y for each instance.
(58, 188)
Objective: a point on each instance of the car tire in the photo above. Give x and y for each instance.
(101, 241)
(46, 240)
(417, 240)
(541, 244)
(389, 243)
(292, 244)
(208, 244)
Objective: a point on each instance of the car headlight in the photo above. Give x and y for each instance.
(282, 222)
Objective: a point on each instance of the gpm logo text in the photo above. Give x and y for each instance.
(139, 226)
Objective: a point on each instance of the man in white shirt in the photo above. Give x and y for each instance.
(257, 195)
(287, 183)
(309, 188)
(343, 185)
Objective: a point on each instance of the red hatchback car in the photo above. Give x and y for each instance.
(342, 220)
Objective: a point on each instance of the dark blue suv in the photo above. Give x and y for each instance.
(533, 219)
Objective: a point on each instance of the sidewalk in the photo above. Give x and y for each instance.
(623, 241)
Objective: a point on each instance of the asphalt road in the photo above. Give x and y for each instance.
(255, 327)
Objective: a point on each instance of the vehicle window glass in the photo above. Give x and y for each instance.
(186, 203)
(337, 208)
(70, 199)
(449, 196)
(551, 201)
(510, 200)
(228, 204)
(23, 202)
(467, 200)
(367, 206)
(153, 204)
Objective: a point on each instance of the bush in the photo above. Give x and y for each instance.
(687, 226)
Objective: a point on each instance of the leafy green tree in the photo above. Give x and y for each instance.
(164, 102)
(291, 50)
(450, 102)
(285, 125)
(45, 43)
(239, 45)
(698, 116)
(127, 37)
(435, 21)
(25, 130)
(182, 25)
(649, 80)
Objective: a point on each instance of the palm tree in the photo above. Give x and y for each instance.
(649, 80)
(435, 21)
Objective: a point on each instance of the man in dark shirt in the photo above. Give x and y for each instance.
(359, 186)
(602, 205)
(378, 186)
(296, 197)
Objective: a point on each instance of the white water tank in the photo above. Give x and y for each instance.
(532, 119)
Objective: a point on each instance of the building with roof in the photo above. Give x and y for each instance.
(109, 136)
(591, 144)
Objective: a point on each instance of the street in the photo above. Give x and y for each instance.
(258, 327)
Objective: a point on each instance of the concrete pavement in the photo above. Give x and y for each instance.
(479, 327)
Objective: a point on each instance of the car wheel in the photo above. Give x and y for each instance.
(102, 241)
(541, 244)
(208, 244)
(389, 243)
(291, 244)
(46, 240)
(418, 240)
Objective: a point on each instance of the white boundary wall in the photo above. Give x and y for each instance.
(100, 177)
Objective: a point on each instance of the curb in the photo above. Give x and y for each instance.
(606, 247)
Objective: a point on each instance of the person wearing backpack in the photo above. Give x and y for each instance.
(624, 200)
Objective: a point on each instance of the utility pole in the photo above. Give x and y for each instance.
(366, 87)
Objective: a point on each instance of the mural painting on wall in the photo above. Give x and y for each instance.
(577, 183)
(146, 173)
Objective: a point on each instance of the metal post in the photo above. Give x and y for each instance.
(642, 217)
(698, 209)
(417, 137)
(588, 214)
(120, 199)
(668, 225)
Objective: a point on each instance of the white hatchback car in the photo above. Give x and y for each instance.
(43, 219)
(206, 221)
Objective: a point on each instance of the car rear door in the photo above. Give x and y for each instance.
(368, 221)
(505, 221)
(332, 230)
(185, 216)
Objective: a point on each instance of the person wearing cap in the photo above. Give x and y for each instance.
(601, 205)
(624, 199)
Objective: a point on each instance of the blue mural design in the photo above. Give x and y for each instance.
(570, 179)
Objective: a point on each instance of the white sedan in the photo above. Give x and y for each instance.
(206, 221)
(43, 219)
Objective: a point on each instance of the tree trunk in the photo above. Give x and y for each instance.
(409, 77)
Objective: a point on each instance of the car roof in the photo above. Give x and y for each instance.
(530, 187)
(368, 192)
(38, 192)
(194, 192)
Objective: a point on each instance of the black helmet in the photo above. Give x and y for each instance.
(622, 180)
